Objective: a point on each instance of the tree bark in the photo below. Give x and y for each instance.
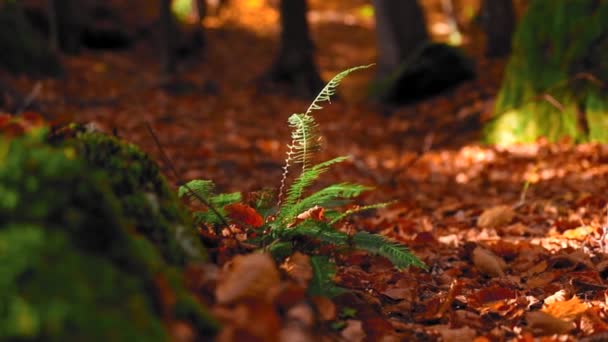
(167, 38)
(400, 30)
(295, 63)
(499, 24)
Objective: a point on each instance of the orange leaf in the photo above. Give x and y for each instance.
(243, 213)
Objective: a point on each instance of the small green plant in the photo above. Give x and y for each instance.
(298, 217)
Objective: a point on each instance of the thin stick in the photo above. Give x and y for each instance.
(202, 199)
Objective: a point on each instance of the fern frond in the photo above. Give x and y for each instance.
(353, 211)
(305, 180)
(222, 200)
(323, 272)
(330, 88)
(201, 187)
(317, 230)
(322, 198)
(398, 254)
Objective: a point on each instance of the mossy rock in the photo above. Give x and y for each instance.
(430, 70)
(23, 50)
(145, 197)
(74, 266)
(555, 80)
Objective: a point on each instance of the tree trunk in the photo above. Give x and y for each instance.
(499, 24)
(167, 38)
(295, 64)
(555, 82)
(65, 27)
(400, 30)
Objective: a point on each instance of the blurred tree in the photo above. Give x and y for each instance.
(410, 67)
(498, 20)
(555, 81)
(400, 30)
(65, 26)
(167, 37)
(295, 65)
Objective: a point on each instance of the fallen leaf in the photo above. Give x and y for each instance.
(247, 276)
(544, 324)
(298, 267)
(488, 263)
(463, 334)
(325, 308)
(243, 213)
(567, 309)
(353, 332)
(496, 216)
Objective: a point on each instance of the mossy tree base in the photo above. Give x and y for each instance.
(556, 81)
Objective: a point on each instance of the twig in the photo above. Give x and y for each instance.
(31, 97)
(198, 196)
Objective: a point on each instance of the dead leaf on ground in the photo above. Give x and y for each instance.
(463, 334)
(497, 216)
(247, 276)
(298, 267)
(567, 309)
(488, 263)
(353, 331)
(544, 324)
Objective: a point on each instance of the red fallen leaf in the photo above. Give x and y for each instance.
(243, 213)
(32, 118)
(4, 119)
(492, 294)
(12, 129)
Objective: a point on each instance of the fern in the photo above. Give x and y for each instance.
(317, 230)
(322, 198)
(305, 136)
(323, 272)
(398, 254)
(305, 180)
(200, 187)
(330, 88)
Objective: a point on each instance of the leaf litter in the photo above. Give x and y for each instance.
(514, 237)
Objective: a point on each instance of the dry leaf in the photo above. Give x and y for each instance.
(463, 334)
(242, 213)
(545, 324)
(567, 309)
(298, 268)
(247, 276)
(488, 263)
(580, 233)
(496, 216)
(556, 297)
(353, 331)
(325, 308)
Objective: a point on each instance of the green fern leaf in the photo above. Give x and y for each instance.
(201, 187)
(323, 272)
(398, 254)
(222, 200)
(322, 198)
(305, 180)
(330, 88)
(317, 230)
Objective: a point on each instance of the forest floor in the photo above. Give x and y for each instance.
(513, 236)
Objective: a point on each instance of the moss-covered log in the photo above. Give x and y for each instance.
(76, 262)
(555, 83)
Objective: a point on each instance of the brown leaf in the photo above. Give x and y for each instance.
(463, 334)
(496, 216)
(545, 324)
(325, 308)
(243, 213)
(247, 276)
(298, 268)
(353, 331)
(488, 263)
(567, 309)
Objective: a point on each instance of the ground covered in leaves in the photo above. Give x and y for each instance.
(514, 237)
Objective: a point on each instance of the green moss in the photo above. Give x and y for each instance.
(146, 199)
(551, 86)
(73, 265)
